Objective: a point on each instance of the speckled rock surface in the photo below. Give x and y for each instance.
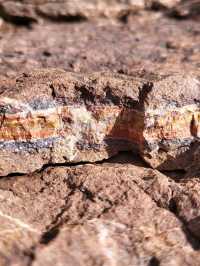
(99, 137)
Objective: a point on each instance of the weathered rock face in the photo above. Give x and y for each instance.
(108, 242)
(51, 116)
(110, 213)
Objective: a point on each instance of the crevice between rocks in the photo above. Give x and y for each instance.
(111, 159)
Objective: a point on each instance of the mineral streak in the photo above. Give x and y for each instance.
(53, 116)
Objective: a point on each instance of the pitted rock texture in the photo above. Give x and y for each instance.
(53, 116)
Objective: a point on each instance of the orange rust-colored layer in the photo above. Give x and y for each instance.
(51, 123)
(112, 122)
(31, 126)
(175, 125)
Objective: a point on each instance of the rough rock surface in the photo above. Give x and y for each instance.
(112, 213)
(52, 116)
(81, 81)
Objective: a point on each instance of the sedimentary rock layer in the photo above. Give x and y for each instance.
(53, 116)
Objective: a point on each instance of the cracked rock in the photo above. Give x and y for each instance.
(89, 214)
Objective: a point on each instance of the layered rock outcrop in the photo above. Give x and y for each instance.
(51, 116)
(99, 145)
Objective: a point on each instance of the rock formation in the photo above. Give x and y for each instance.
(52, 116)
(99, 138)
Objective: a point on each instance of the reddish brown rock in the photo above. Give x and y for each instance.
(187, 203)
(118, 212)
(94, 214)
(68, 117)
(26, 12)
